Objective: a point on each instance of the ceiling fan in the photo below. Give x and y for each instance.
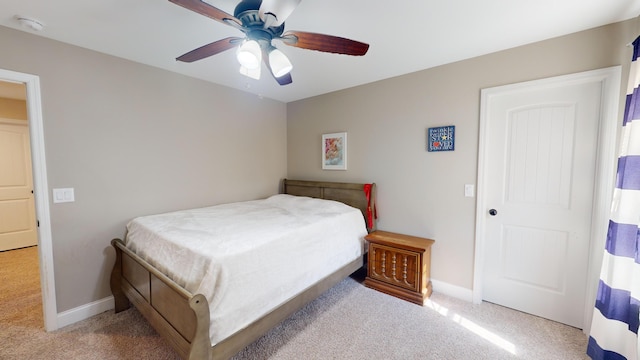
(262, 21)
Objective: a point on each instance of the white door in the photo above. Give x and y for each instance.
(17, 211)
(540, 163)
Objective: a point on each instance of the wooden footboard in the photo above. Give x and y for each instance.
(177, 315)
(183, 319)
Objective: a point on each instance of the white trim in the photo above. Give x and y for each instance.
(480, 202)
(85, 311)
(40, 189)
(604, 182)
(452, 290)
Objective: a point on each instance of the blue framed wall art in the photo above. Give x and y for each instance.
(441, 138)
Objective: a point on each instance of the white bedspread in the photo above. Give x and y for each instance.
(247, 258)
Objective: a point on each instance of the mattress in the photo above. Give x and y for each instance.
(249, 257)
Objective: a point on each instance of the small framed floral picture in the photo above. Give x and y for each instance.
(334, 151)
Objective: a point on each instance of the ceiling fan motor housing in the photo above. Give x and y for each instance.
(247, 11)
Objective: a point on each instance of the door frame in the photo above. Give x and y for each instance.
(41, 193)
(605, 171)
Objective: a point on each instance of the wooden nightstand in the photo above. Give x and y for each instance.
(399, 265)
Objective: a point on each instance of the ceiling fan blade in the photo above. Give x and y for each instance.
(207, 10)
(282, 80)
(325, 43)
(214, 48)
(280, 9)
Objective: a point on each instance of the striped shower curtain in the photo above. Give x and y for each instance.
(614, 328)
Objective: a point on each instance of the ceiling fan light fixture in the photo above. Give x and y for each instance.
(280, 64)
(252, 73)
(281, 9)
(249, 54)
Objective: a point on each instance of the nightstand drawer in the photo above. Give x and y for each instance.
(394, 266)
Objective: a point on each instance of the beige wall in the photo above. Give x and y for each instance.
(13, 109)
(422, 193)
(135, 140)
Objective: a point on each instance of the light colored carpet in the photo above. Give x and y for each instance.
(349, 321)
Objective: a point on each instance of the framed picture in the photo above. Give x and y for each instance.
(441, 138)
(334, 151)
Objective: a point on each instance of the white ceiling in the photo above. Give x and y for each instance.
(404, 36)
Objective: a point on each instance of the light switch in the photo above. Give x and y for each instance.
(468, 190)
(63, 195)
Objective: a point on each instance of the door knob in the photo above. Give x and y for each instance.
(493, 212)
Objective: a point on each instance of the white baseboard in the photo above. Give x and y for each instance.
(85, 311)
(452, 290)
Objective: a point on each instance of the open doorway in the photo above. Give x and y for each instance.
(20, 291)
(30, 86)
(17, 207)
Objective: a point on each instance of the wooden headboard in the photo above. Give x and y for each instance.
(351, 194)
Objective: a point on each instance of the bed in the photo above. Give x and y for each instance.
(193, 315)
